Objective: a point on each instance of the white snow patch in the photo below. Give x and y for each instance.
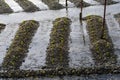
(80, 55)
(92, 2)
(15, 6)
(39, 4)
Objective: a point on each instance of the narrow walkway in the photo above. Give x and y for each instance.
(80, 55)
(36, 57)
(6, 39)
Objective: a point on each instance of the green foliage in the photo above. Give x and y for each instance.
(57, 50)
(101, 43)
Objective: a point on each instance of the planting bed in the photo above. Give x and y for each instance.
(14, 5)
(39, 4)
(59, 72)
(19, 47)
(101, 43)
(108, 2)
(57, 51)
(4, 8)
(77, 3)
(53, 4)
(27, 5)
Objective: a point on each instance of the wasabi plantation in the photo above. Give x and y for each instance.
(59, 39)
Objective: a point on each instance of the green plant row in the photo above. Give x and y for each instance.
(57, 51)
(20, 44)
(78, 3)
(4, 7)
(109, 2)
(101, 43)
(27, 5)
(59, 72)
(53, 4)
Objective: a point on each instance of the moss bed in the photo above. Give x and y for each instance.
(19, 47)
(53, 4)
(109, 2)
(59, 72)
(27, 5)
(4, 8)
(78, 3)
(101, 43)
(2, 26)
(57, 51)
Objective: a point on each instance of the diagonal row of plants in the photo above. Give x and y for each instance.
(57, 51)
(28, 6)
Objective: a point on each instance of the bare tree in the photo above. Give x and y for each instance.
(104, 18)
(81, 7)
(66, 3)
(80, 18)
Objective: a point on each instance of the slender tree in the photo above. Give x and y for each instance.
(80, 18)
(81, 7)
(66, 3)
(104, 17)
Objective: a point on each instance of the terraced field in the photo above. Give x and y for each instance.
(46, 38)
